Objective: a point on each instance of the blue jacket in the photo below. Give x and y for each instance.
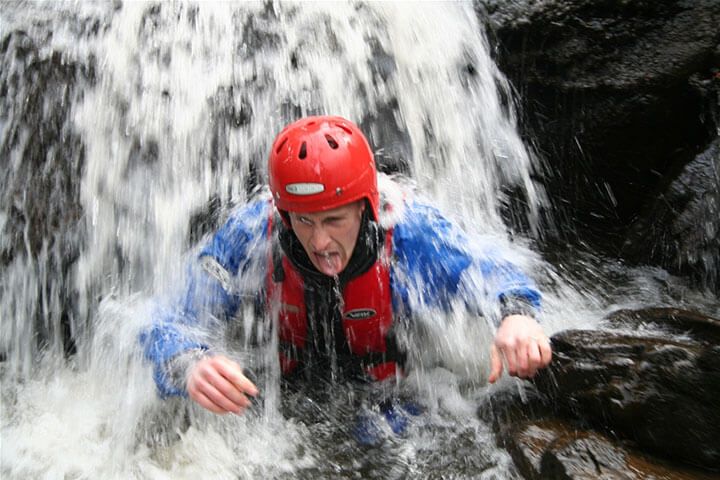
(434, 265)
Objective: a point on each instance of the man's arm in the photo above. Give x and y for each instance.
(432, 250)
(176, 342)
(520, 343)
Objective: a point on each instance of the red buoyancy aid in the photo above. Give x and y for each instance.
(366, 314)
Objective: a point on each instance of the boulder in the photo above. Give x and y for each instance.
(558, 450)
(653, 377)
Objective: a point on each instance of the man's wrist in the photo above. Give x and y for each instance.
(180, 365)
(517, 306)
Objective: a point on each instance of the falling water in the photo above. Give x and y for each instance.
(130, 129)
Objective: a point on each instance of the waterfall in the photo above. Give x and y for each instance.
(143, 115)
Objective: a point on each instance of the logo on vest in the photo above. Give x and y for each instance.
(360, 314)
(304, 188)
(289, 308)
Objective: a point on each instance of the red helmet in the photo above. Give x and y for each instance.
(321, 163)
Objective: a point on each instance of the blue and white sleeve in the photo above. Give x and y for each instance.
(211, 293)
(436, 266)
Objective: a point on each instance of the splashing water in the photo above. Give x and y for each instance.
(125, 121)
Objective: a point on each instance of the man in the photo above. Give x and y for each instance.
(338, 265)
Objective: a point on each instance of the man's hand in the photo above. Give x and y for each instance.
(521, 342)
(218, 384)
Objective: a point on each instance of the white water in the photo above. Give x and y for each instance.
(162, 86)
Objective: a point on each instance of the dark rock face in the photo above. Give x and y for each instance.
(389, 138)
(659, 389)
(683, 223)
(617, 96)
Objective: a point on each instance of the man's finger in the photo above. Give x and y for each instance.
(511, 357)
(227, 389)
(534, 357)
(233, 373)
(545, 352)
(523, 357)
(222, 401)
(496, 366)
(206, 403)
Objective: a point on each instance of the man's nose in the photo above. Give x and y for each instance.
(320, 240)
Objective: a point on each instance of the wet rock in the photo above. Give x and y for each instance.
(231, 107)
(388, 138)
(382, 64)
(40, 187)
(205, 220)
(585, 457)
(231, 110)
(653, 378)
(159, 16)
(44, 155)
(143, 153)
(683, 222)
(384, 128)
(555, 449)
(610, 97)
(256, 36)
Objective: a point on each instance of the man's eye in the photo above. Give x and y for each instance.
(304, 220)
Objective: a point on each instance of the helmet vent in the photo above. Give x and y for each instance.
(282, 144)
(303, 151)
(345, 128)
(331, 141)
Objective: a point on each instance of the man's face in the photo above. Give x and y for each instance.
(329, 237)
